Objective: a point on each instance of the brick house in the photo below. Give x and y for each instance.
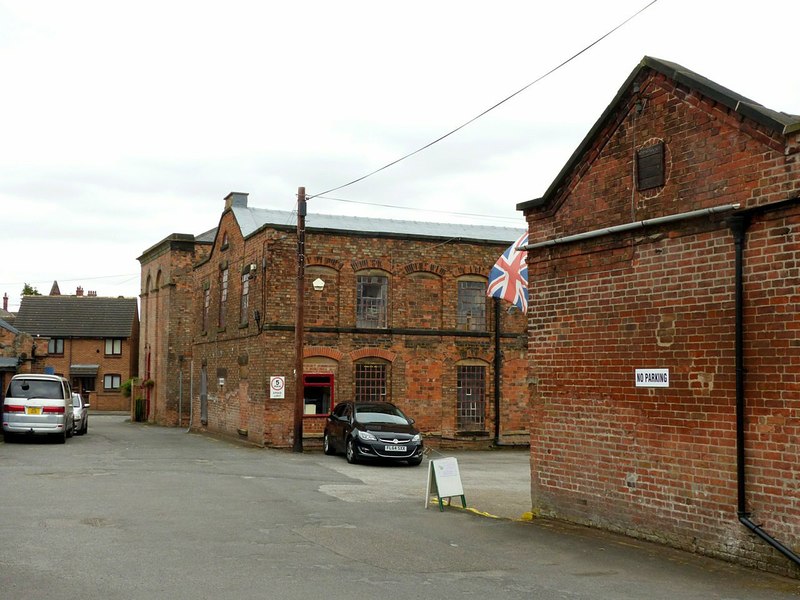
(399, 312)
(91, 340)
(664, 322)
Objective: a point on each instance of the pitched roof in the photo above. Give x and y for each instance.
(8, 326)
(77, 316)
(780, 122)
(250, 220)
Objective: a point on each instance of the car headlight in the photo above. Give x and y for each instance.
(367, 436)
(417, 438)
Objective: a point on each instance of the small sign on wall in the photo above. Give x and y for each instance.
(277, 386)
(652, 378)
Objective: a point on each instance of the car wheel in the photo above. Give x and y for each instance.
(85, 427)
(71, 431)
(350, 452)
(61, 438)
(415, 462)
(327, 447)
(9, 438)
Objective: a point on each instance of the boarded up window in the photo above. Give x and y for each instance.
(650, 167)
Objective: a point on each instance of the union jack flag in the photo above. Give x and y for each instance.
(508, 278)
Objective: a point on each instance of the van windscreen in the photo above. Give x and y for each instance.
(34, 388)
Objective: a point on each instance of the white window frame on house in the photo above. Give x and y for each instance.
(112, 382)
(113, 347)
(55, 346)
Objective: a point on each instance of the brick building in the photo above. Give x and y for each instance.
(664, 324)
(393, 309)
(91, 340)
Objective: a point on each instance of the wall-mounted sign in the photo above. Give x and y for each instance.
(277, 386)
(652, 377)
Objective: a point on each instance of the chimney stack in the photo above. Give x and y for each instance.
(79, 291)
(238, 199)
(91, 293)
(5, 301)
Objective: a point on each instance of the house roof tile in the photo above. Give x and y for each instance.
(77, 316)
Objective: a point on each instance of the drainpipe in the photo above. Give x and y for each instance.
(738, 225)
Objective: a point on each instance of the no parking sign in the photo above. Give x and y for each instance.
(277, 385)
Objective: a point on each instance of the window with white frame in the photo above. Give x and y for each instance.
(111, 382)
(113, 347)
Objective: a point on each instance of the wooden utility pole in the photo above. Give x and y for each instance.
(299, 400)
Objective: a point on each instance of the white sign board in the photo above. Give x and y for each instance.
(652, 378)
(277, 386)
(444, 480)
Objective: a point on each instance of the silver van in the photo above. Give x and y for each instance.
(38, 404)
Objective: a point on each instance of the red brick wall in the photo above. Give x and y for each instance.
(421, 368)
(660, 463)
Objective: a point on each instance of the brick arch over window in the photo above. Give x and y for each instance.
(158, 281)
(148, 282)
(323, 351)
(480, 270)
(371, 263)
(365, 353)
(427, 267)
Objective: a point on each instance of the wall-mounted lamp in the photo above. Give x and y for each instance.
(318, 284)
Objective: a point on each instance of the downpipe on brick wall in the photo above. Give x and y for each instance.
(738, 225)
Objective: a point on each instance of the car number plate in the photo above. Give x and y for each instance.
(33, 410)
(395, 448)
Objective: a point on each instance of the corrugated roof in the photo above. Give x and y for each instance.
(252, 219)
(77, 316)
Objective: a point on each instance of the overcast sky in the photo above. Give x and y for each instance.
(123, 121)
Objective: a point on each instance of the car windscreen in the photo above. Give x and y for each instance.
(34, 388)
(378, 413)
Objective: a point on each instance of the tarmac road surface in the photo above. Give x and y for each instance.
(132, 511)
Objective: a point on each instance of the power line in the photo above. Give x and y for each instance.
(488, 110)
(427, 210)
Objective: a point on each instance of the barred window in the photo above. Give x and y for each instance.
(245, 301)
(223, 295)
(371, 301)
(471, 305)
(370, 382)
(206, 307)
(471, 402)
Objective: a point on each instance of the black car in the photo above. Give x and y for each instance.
(372, 431)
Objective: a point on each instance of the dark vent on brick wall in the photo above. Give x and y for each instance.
(650, 167)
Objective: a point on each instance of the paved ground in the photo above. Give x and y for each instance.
(133, 511)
